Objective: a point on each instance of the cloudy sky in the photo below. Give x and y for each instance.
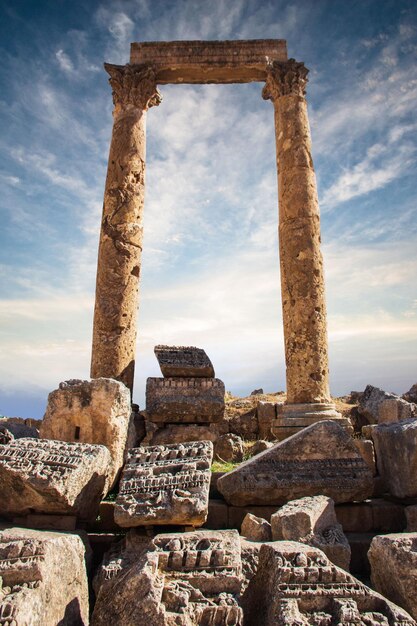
(210, 271)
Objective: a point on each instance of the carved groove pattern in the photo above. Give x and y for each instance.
(133, 85)
(287, 78)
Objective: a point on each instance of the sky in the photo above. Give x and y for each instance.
(210, 266)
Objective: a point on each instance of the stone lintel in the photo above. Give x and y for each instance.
(239, 61)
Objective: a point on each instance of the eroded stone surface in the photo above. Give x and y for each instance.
(182, 361)
(411, 515)
(36, 589)
(91, 411)
(296, 584)
(183, 579)
(312, 520)
(43, 476)
(393, 560)
(185, 399)
(228, 448)
(20, 426)
(320, 460)
(256, 528)
(165, 485)
(396, 454)
(378, 406)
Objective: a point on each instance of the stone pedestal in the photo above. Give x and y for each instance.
(119, 258)
(302, 279)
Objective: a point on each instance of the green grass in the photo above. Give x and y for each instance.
(219, 466)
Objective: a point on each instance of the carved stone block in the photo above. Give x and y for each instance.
(165, 485)
(185, 579)
(320, 460)
(313, 521)
(43, 580)
(43, 476)
(185, 399)
(181, 361)
(296, 584)
(91, 411)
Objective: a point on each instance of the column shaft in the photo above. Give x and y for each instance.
(120, 247)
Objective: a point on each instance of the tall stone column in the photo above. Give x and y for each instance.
(120, 248)
(302, 279)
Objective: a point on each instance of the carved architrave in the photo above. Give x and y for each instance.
(133, 86)
(287, 78)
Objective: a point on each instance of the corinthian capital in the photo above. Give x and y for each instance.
(288, 78)
(133, 86)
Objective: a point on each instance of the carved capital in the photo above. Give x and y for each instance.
(133, 86)
(288, 78)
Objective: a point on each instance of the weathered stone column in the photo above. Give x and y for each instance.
(119, 256)
(302, 279)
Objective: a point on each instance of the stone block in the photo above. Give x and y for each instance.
(91, 411)
(359, 546)
(396, 454)
(379, 406)
(388, 517)
(21, 427)
(260, 446)
(183, 433)
(214, 492)
(43, 578)
(238, 513)
(266, 412)
(217, 518)
(395, 410)
(322, 459)
(105, 519)
(196, 400)
(228, 448)
(355, 517)
(51, 522)
(181, 361)
(393, 560)
(256, 528)
(296, 584)
(189, 578)
(165, 485)
(411, 515)
(43, 476)
(313, 521)
(411, 394)
(366, 449)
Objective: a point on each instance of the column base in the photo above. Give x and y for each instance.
(295, 417)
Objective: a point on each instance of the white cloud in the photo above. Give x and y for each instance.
(64, 61)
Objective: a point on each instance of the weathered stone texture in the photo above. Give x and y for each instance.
(165, 485)
(367, 450)
(396, 454)
(378, 406)
(185, 399)
(320, 460)
(20, 426)
(411, 394)
(191, 579)
(43, 580)
(411, 516)
(393, 560)
(296, 584)
(91, 411)
(256, 528)
(42, 476)
(119, 258)
(313, 521)
(183, 361)
(209, 61)
(302, 280)
(229, 448)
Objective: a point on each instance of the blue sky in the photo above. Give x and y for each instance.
(210, 271)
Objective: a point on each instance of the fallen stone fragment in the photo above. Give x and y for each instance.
(91, 411)
(411, 394)
(322, 459)
(260, 446)
(256, 528)
(396, 454)
(378, 406)
(174, 400)
(165, 485)
(393, 560)
(181, 361)
(229, 448)
(367, 450)
(313, 521)
(188, 579)
(43, 476)
(296, 584)
(21, 426)
(5, 436)
(43, 579)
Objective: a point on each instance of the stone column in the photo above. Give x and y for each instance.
(302, 279)
(120, 248)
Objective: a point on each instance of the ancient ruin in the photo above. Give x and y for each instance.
(165, 485)
(269, 500)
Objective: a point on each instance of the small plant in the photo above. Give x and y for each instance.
(223, 466)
